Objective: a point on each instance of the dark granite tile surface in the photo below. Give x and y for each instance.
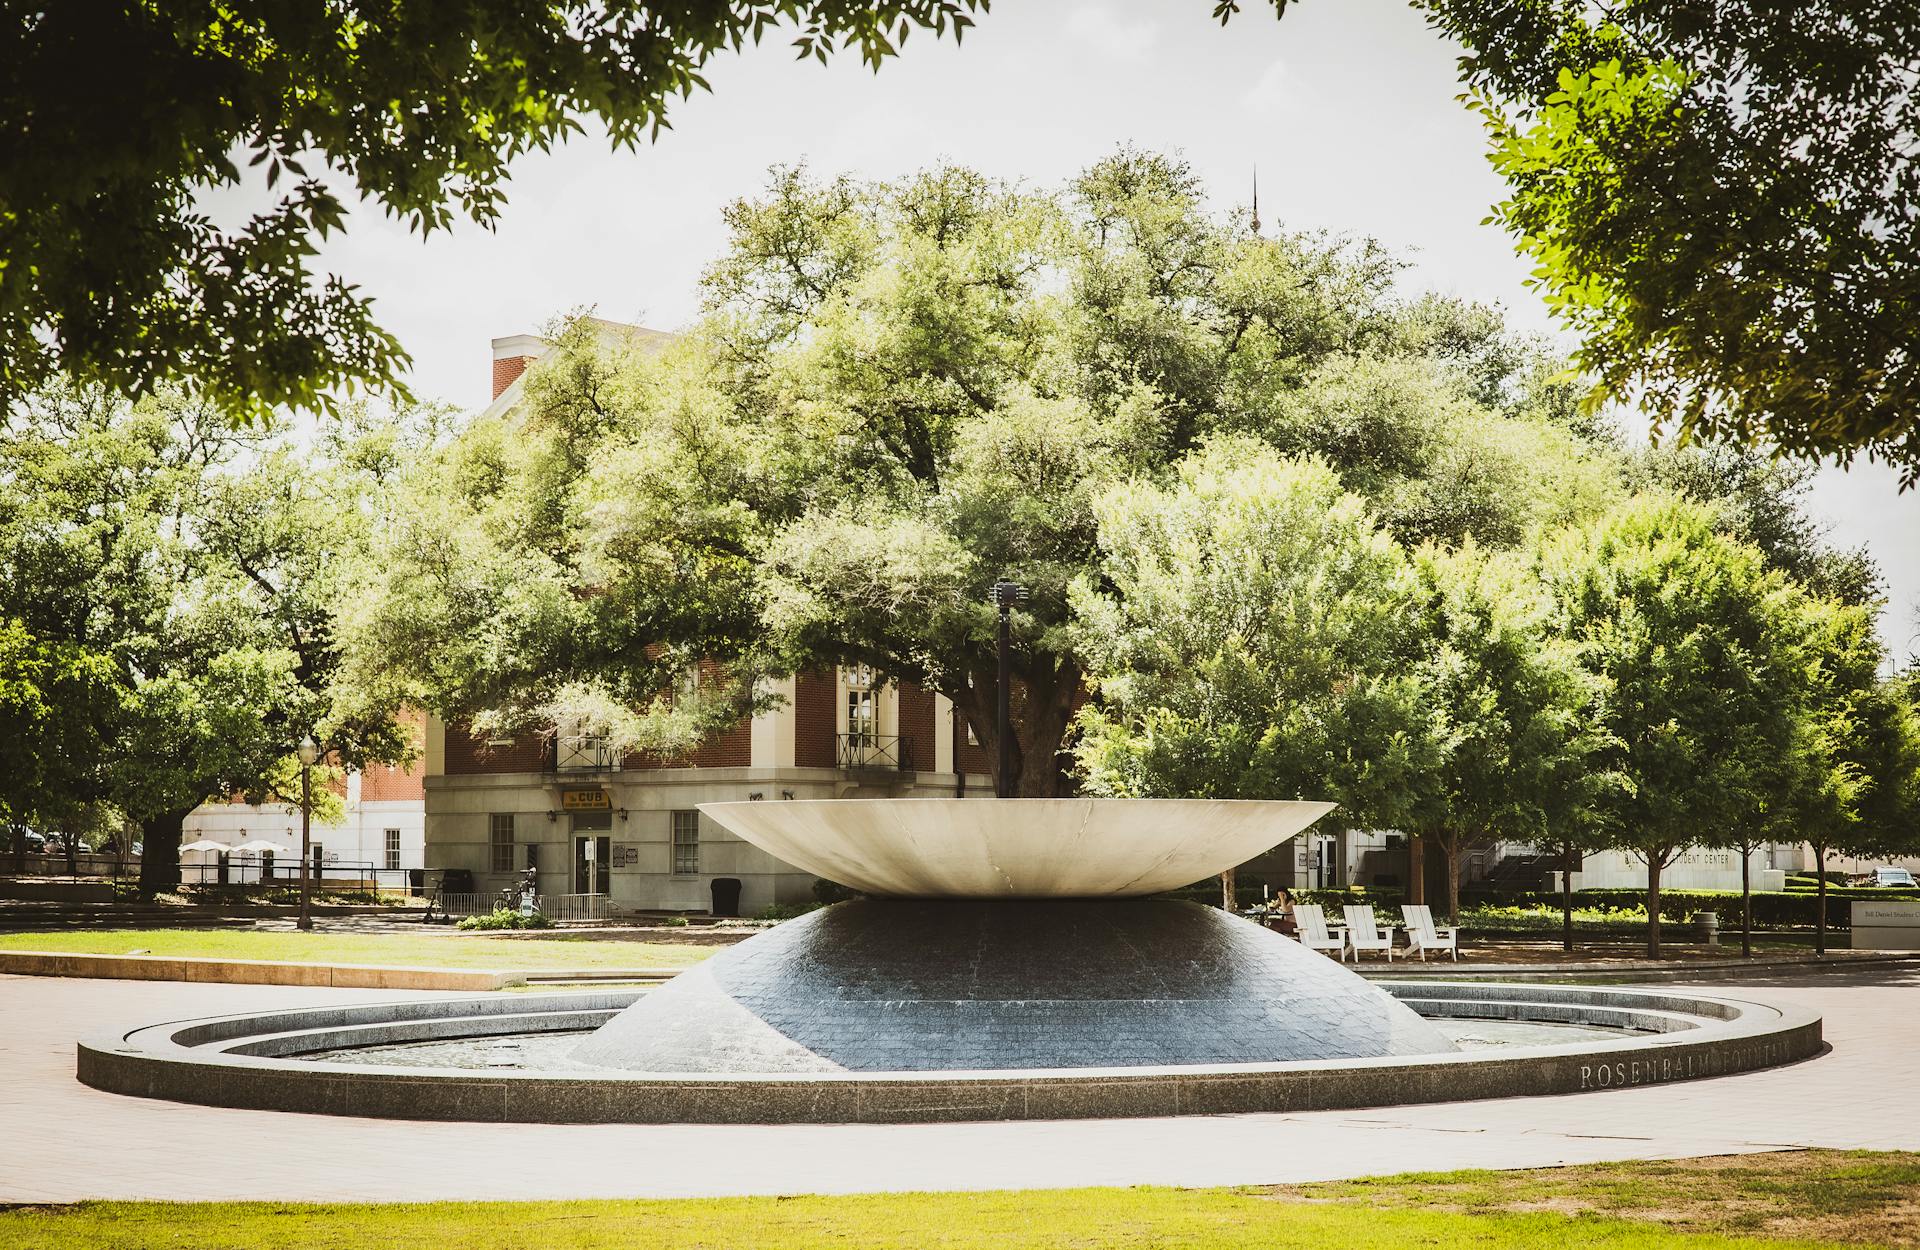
(944, 985)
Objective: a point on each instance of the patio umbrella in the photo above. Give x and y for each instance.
(258, 846)
(204, 844)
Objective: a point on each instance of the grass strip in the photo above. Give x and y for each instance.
(438, 949)
(1759, 1202)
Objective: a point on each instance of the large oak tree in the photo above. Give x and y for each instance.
(902, 391)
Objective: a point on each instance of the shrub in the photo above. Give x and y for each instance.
(786, 911)
(826, 892)
(1540, 919)
(1770, 910)
(505, 918)
(279, 893)
(675, 922)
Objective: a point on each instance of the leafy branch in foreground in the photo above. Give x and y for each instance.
(116, 120)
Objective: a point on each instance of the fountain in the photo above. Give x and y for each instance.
(1012, 934)
(1009, 959)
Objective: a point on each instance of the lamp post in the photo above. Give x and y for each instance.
(1005, 594)
(308, 753)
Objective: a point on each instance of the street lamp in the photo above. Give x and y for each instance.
(308, 752)
(1004, 595)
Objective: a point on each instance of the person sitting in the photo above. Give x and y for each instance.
(1283, 913)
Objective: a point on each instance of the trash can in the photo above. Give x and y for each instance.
(726, 896)
(1708, 924)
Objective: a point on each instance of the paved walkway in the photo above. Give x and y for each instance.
(61, 1141)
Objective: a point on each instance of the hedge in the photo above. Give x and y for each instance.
(1769, 910)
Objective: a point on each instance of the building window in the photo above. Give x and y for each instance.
(863, 721)
(393, 848)
(500, 837)
(686, 844)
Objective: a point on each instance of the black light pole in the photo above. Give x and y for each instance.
(1005, 595)
(308, 753)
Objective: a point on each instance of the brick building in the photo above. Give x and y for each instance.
(380, 835)
(590, 822)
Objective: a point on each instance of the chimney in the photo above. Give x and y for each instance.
(511, 356)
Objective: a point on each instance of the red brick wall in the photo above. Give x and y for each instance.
(506, 371)
(968, 759)
(731, 749)
(815, 719)
(916, 724)
(385, 782)
(467, 754)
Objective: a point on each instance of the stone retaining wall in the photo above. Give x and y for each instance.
(197, 1063)
(250, 971)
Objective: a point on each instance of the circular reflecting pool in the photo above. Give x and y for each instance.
(550, 1052)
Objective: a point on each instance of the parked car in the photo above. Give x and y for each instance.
(1893, 878)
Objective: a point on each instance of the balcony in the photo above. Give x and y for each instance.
(584, 753)
(871, 752)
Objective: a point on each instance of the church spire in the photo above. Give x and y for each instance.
(1256, 201)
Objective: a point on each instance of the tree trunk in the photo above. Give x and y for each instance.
(1040, 725)
(1655, 862)
(1228, 880)
(1451, 848)
(160, 852)
(1820, 923)
(20, 850)
(1566, 902)
(1746, 903)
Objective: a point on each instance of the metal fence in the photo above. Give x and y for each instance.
(555, 907)
(459, 905)
(85, 864)
(573, 753)
(284, 870)
(559, 907)
(874, 751)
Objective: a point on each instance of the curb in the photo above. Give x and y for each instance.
(1709, 970)
(251, 972)
(249, 1061)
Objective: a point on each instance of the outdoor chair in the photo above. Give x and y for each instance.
(1365, 934)
(1312, 923)
(1423, 935)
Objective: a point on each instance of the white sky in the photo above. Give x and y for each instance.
(1348, 108)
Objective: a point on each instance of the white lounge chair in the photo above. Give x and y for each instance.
(1364, 934)
(1312, 925)
(1423, 935)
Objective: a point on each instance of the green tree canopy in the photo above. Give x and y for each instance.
(1244, 631)
(114, 119)
(1722, 201)
(1506, 707)
(173, 577)
(1851, 781)
(1704, 657)
(900, 392)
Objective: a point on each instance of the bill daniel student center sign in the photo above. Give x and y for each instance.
(1893, 925)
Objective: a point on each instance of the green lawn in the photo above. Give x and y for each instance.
(1803, 1199)
(440, 949)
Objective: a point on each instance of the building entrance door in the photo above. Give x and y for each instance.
(592, 868)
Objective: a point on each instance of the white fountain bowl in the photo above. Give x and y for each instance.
(1015, 848)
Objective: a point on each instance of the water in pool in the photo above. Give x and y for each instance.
(548, 1052)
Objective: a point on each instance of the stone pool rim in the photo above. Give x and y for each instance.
(1706, 1035)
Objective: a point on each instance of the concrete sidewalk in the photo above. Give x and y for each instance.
(66, 1142)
